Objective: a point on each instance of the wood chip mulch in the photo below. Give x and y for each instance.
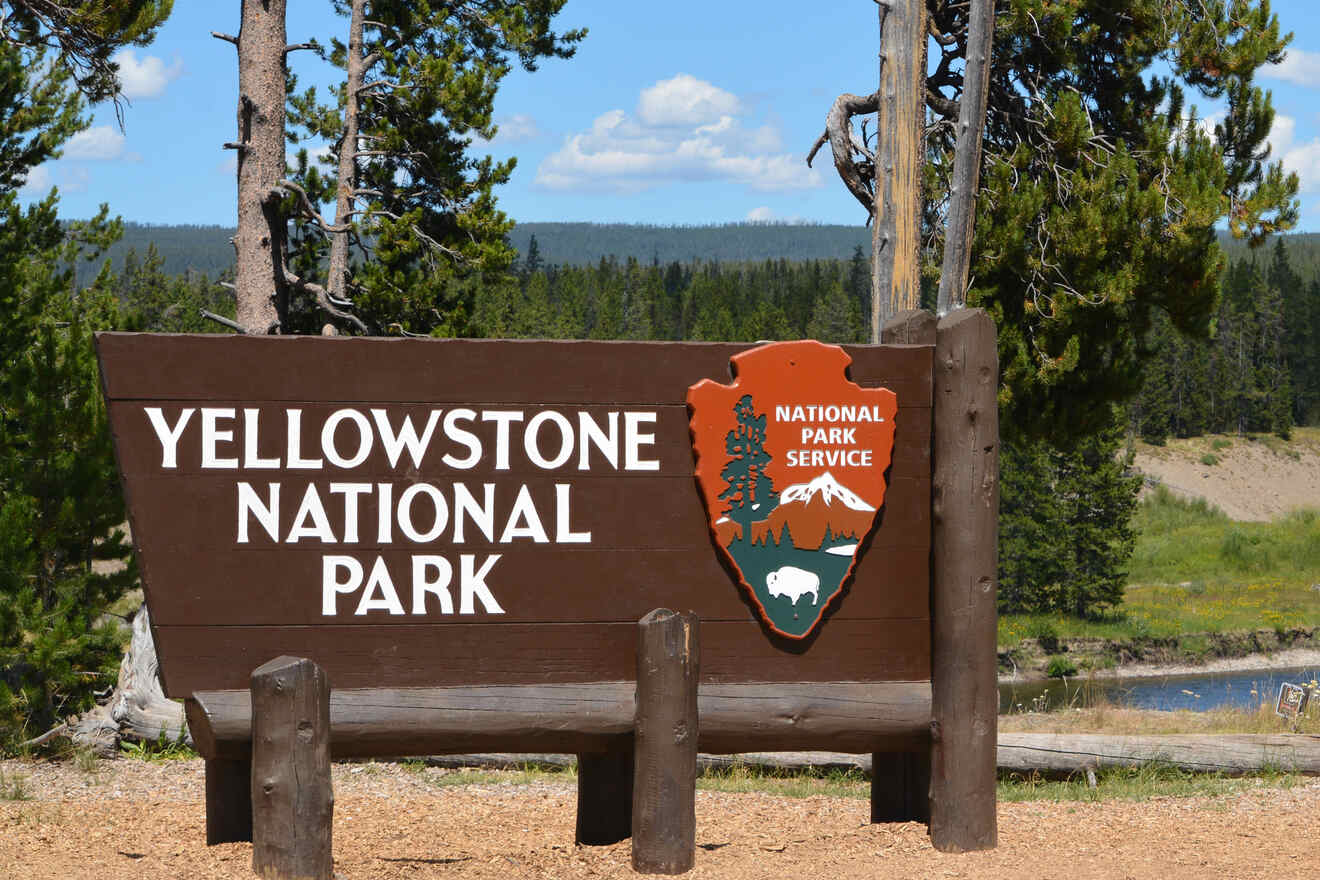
(133, 819)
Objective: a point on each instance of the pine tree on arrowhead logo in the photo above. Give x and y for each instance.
(791, 461)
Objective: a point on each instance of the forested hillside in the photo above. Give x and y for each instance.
(207, 249)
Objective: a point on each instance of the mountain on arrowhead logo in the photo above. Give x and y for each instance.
(791, 461)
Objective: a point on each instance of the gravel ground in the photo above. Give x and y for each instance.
(134, 819)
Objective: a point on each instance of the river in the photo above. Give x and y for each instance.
(1246, 690)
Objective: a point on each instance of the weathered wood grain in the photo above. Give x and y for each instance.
(292, 798)
(965, 699)
(387, 722)
(895, 238)
(664, 814)
(1230, 754)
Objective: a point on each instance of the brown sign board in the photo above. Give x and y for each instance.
(438, 512)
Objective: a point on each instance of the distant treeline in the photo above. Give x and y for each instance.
(1258, 371)
(207, 249)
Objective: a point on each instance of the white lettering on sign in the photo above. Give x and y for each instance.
(169, 437)
(430, 575)
(407, 455)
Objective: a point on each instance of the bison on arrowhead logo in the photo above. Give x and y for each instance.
(791, 461)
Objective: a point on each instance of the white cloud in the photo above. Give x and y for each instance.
(685, 101)
(99, 142)
(1302, 158)
(1298, 67)
(146, 78)
(516, 129)
(766, 214)
(38, 183)
(684, 130)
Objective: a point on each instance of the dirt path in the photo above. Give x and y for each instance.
(133, 819)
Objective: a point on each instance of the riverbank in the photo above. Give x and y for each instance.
(1035, 659)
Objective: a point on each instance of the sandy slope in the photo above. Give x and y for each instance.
(1256, 479)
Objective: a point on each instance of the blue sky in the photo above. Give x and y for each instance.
(678, 113)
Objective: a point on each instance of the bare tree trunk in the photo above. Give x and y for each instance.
(967, 158)
(138, 708)
(895, 234)
(337, 282)
(259, 244)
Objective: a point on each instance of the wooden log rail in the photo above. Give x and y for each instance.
(590, 718)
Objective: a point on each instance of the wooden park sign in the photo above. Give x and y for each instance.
(462, 537)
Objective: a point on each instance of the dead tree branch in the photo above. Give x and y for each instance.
(857, 174)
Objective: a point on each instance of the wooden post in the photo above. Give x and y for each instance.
(965, 509)
(900, 127)
(900, 786)
(292, 799)
(605, 796)
(228, 801)
(664, 817)
(900, 781)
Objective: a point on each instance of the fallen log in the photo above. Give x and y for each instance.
(1230, 754)
(1047, 753)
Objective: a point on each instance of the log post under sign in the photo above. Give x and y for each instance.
(664, 818)
(292, 798)
(965, 507)
(228, 801)
(605, 794)
(900, 781)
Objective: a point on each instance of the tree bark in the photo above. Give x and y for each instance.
(138, 708)
(260, 289)
(337, 278)
(292, 798)
(664, 817)
(895, 234)
(964, 514)
(967, 159)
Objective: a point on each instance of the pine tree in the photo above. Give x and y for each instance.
(420, 80)
(750, 493)
(1101, 190)
(1065, 521)
(59, 495)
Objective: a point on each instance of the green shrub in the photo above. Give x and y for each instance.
(1209, 459)
(1060, 667)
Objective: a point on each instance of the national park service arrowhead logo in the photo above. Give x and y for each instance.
(791, 461)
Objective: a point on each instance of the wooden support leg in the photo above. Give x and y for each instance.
(900, 786)
(605, 796)
(292, 799)
(664, 816)
(965, 491)
(228, 801)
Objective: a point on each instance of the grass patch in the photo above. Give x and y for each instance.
(13, 786)
(162, 749)
(1136, 784)
(784, 782)
(1209, 459)
(527, 774)
(1196, 571)
(1103, 717)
